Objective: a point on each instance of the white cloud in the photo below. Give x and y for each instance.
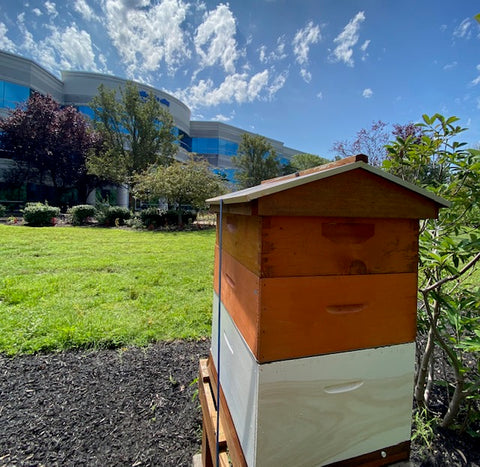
(306, 75)
(37, 12)
(84, 9)
(463, 30)
(277, 84)
(477, 79)
(367, 93)
(302, 41)
(222, 118)
(239, 88)
(450, 66)
(145, 35)
(5, 43)
(347, 39)
(276, 55)
(320, 95)
(74, 48)
(365, 45)
(257, 83)
(215, 39)
(51, 8)
(69, 48)
(364, 48)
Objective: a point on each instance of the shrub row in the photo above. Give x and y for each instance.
(154, 217)
(38, 214)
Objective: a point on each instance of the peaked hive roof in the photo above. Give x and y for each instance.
(323, 172)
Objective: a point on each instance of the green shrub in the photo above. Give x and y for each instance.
(152, 217)
(79, 214)
(188, 217)
(112, 215)
(38, 214)
(135, 222)
(3, 210)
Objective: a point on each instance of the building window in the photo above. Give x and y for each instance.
(214, 146)
(11, 95)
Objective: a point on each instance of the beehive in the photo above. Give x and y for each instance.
(319, 270)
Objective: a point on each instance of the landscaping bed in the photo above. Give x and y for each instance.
(129, 406)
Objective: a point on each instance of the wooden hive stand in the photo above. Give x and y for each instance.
(230, 451)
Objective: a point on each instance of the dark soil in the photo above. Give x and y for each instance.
(126, 407)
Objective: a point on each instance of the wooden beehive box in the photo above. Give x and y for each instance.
(318, 306)
(329, 254)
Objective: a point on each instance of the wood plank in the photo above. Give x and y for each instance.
(356, 193)
(386, 456)
(291, 317)
(208, 374)
(244, 209)
(330, 408)
(242, 239)
(234, 446)
(238, 377)
(209, 410)
(304, 316)
(240, 294)
(321, 168)
(311, 246)
(207, 460)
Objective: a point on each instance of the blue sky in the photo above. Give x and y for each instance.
(305, 72)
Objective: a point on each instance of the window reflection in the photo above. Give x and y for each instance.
(11, 95)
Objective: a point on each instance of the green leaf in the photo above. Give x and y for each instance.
(477, 17)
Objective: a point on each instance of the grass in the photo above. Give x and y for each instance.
(70, 287)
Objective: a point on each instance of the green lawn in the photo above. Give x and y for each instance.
(66, 287)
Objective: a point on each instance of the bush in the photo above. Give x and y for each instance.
(152, 217)
(3, 210)
(112, 215)
(79, 214)
(188, 216)
(38, 214)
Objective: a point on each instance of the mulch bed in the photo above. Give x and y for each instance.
(126, 407)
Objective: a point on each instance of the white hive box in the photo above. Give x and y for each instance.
(316, 410)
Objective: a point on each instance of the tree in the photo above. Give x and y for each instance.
(137, 132)
(48, 144)
(369, 141)
(187, 183)
(256, 160)
(449, 254)
(306, 161)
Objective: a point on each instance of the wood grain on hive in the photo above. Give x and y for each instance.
(318, 314)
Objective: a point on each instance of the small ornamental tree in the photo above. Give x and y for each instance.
(449, 255)
(370, 141)
(137, 132)
(188, 183)
(48, 144)
(256, 160)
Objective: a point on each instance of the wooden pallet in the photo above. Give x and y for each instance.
(230, 451)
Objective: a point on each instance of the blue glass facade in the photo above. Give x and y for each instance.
(12, 94)
(86, 110)
(214, 146)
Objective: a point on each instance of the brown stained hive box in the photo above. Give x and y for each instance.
(322, 261)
